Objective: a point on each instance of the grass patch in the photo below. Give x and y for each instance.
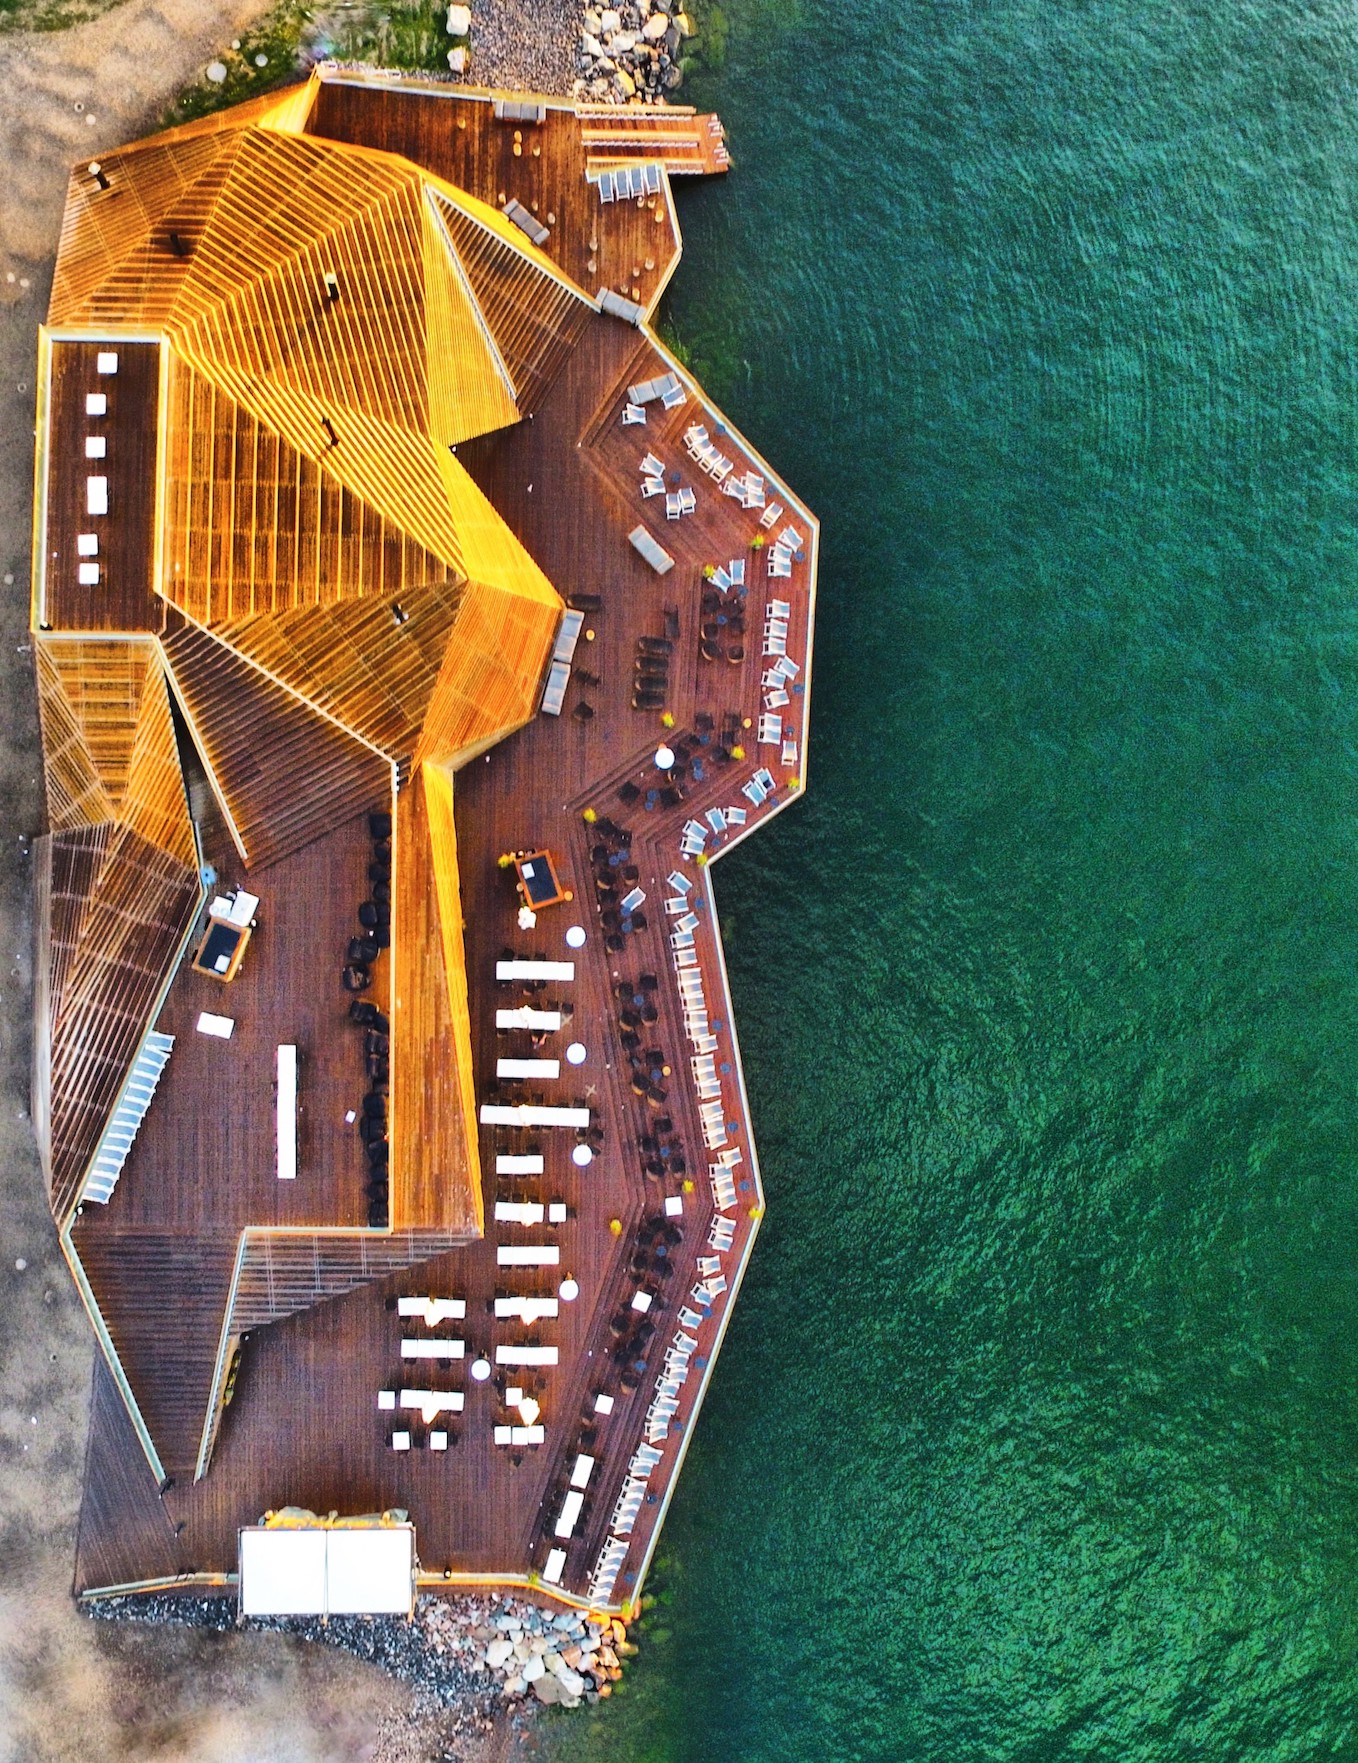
(408, 34)
(49, 15)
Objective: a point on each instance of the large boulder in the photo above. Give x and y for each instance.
(459, 20)
(655, 27)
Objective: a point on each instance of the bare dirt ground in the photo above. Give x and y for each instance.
(71, 1689)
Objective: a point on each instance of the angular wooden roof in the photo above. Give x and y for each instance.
(326, 601)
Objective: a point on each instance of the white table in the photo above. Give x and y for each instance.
(520, 1435)
(431, 1403)
(527, 1255)
(506, 1355)
(530, 1114)
(433, 1349)
(570, 1513)
(433, 1311)
(541, 1069)
(526, 1309)
(519, 1212)
(524, 1017)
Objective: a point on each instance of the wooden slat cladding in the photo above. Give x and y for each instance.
(629, 246)
(110, 743)
(286, 774)
(76, 795)
(393, 469)
(125, 1531)
(124, 598)
(162, 1297)
(101, 684)
(65, 868)
(534, 319)
(492, 673)
(283, 1273)
(119, 235)
(74, 861)
(434, 1168)
(371, 665)
(106, 234)
(138, 909)
(256, 294)
(154, 803)
(253, 525)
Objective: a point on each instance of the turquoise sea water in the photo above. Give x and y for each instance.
(1036, 1433)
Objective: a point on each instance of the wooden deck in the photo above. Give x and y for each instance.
(304, 1427)
(630, 246)
(125, 600)
(214, 1108)
(297, 1431)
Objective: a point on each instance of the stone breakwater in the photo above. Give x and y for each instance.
(476, 1654)
(561, 1657)
(632, 51)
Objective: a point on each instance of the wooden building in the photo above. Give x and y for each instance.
(349, 404)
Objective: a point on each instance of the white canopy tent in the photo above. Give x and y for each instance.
(327, 1570)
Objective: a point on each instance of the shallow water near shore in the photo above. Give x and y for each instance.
(1036, 1432)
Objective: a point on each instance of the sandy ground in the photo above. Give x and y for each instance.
(71, 1689)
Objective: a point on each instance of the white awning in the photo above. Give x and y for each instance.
(370, 1572)
(309, 1570)
(282, 1572)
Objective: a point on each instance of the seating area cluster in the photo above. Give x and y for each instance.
(374, 917)
(651, 672)
(632, 1334)
(617, 897)
(722, 630)
(431, 1430)
(678, 501)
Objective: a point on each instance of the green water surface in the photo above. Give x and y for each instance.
(1036, 1432)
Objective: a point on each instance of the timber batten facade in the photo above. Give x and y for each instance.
(296, 637)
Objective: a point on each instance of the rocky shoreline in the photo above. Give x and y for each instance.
(476, 1655)
(627, 53)
(632, 51)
